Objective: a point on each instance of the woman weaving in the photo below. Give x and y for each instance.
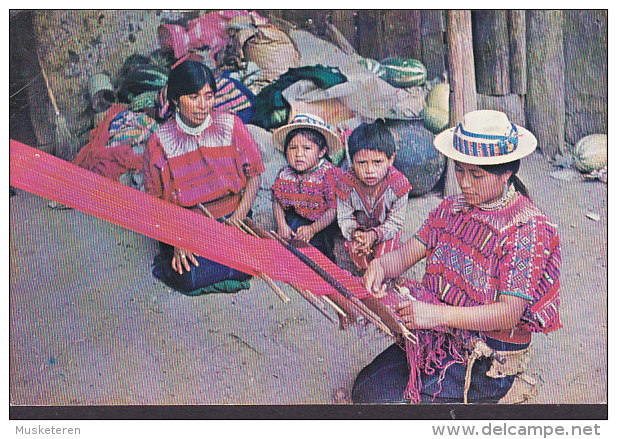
(200, 158)
(492, 274)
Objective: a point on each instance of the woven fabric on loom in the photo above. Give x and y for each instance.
(474, 255)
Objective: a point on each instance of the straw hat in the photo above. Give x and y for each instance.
(313, 122)
(486, 137)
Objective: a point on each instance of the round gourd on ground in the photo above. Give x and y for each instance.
(416, 156)
(403, 72)
(591, 152)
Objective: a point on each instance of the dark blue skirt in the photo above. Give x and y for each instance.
(190, 282)
(322, 241)
(385, 380)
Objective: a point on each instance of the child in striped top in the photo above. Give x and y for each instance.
(372, 195)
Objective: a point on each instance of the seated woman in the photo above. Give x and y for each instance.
(200, 156)
(492, 277)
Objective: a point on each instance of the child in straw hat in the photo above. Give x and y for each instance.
(303, 194)
(492, 274)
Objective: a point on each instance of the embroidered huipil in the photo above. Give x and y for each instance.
(309, 195)
(186, 167)
(384, 212)
(474, 256)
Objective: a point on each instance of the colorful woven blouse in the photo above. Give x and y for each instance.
(186, 169)
(474, 256)
(384, 212)
(309, 195)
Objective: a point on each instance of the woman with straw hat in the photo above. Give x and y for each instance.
(303, 194)
(491, 279)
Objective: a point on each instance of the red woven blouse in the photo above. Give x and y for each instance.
(186, 169)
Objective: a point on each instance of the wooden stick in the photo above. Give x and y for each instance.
(347, 315)
(277, 290)
(335, 306)
(362, 309)
(49, 92)
(312, 299)
(267, 279)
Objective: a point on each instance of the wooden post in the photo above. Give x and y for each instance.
(401, 36)
(491, 51)
(433, 50)
(545, 110)
(586, 73)
(343, 19)
(415, 35)
(461, 76)
(369, 33)
(518, 47)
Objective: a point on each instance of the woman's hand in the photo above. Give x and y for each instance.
(420, 315)
(305, 233)
(183, 259)
(373, 278)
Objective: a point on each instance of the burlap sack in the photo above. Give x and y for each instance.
(272, 50)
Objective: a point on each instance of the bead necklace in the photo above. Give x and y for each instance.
(510, 194)
(193, 131)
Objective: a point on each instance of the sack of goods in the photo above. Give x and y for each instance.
(272, 50)
(416, 156)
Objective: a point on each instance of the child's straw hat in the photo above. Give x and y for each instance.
(313, 122)
(486, 137)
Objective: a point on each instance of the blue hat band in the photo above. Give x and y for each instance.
(486, 145)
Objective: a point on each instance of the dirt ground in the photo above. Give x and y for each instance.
(90, 325)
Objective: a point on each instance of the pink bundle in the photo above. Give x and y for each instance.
(209, 30)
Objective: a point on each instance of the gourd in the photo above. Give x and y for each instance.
(591, 152)
(436, 115)
(403, 72)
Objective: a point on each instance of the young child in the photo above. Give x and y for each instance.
(304, 192)
(372, 195)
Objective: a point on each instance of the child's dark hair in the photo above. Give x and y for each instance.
(313, 135)
(372, 136)
(187, 78)
(505, 167)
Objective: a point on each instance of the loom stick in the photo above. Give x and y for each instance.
(307, 294)
(363, 309)
(335, 306)
(267, 279)
(340, 305)
(312, 299)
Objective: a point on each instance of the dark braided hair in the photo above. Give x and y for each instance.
(505, 167)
